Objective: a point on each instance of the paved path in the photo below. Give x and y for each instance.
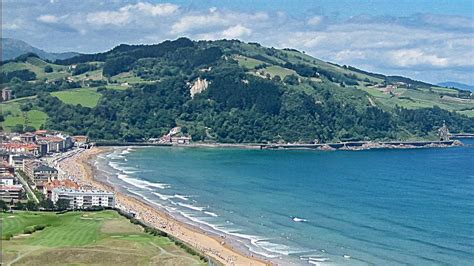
(27, 187)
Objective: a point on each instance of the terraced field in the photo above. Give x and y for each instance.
(104, 238)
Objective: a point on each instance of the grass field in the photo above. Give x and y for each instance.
(247, 62)
(37, 65)
(280, 71)
(414, 99)
(80, 238)
(13, 114)
(87, 97)
(127, 77)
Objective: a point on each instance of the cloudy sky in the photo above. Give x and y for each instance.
(426, 40)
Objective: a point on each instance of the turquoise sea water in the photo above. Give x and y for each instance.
(383, 207)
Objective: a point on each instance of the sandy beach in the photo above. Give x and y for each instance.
(215, 247)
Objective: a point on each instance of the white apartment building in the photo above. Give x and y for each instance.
(83, 199)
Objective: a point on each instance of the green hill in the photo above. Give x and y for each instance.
(231, 91)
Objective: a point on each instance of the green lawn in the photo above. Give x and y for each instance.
(469, 113)
(280, 71)
(102, 237)
(247, 62)
(94, 75)
(13, 114)
(127, 77)
(87, 97)
(117, 87)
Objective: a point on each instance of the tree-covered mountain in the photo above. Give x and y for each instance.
(226, 91)
(12, 48)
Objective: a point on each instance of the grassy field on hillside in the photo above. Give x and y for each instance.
(37, 65)
(79, 238)
(247, 62)
(13, 114)
(414, 99)
(87, 97)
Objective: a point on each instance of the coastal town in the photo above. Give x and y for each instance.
(31, 175)
(33, 170)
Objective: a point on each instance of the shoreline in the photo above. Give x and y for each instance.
(207, 243)
(339, 146)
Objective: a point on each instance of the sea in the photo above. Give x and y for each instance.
(304, 207)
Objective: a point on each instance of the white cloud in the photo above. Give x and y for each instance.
(416, 57)
(129, 13)
(236, 32)
(48, 19)
(215, 20)
(14, 25)
(233, 32)
(165, 9)
(102, 18)
(314, 21)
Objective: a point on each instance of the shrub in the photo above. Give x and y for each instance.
(7, 236)
(39, 227)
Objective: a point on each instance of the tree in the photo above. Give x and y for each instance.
(3, 205)
(47, 204)
(29, 129)
(48, 69)
(19, 205)
(62, 204)
(18, 128)
(291, 79)
(26, 107)
(31, 205)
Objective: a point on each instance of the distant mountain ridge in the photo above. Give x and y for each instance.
(457, 85)
(12, 48)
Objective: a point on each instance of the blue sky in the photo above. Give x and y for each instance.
(426, 40)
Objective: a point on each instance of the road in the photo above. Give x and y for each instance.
(27, 187)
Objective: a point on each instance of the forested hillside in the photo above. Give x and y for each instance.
(225, 91)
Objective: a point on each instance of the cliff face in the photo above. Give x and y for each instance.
(198, 86)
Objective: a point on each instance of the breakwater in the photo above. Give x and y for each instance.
(364, 145)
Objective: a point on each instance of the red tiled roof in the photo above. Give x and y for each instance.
(60, 183)
(19, 145)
